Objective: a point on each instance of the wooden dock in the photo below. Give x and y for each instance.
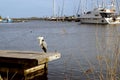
(25, 62)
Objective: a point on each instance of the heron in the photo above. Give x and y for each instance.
(43, 44)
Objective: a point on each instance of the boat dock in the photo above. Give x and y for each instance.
(25, 62)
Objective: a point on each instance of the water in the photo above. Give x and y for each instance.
(79, 44)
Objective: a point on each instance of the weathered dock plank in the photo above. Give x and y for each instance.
(28, 61)
(33, 69)
(29, 55)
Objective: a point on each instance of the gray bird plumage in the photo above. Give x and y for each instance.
(43, 44)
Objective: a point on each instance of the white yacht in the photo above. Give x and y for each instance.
(100, 16)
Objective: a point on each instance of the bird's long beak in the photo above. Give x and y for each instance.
(38, 37)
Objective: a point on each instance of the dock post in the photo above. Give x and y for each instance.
(36, 71)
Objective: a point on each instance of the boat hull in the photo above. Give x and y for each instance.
(99, 21)
(93, 21)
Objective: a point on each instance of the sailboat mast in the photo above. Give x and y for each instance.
(62, 8)
(118, 7)
(113, 5)
(53, 8)
(78, 9)
(103, 5)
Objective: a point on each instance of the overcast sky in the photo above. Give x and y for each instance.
(40, 8)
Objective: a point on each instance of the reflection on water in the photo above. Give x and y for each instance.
(81, 45)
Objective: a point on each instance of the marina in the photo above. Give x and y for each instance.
(60, 40)
(80, 46)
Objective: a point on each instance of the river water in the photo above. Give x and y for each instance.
(79, 44)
